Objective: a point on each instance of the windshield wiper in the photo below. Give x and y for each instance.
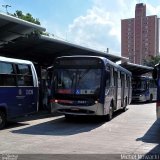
(82, 76)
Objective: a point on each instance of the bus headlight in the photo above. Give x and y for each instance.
(95, 102)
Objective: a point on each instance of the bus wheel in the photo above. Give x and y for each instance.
(151, 98)
(68, 117)
(110, 115)
(2, 120)
(125, 106)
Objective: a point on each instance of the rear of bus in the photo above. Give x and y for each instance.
(78, 86)
(18, 89)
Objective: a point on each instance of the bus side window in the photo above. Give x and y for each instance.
(108, 76)
(147, 85)
(112, 77)
(24, 75)
(119, 79)
(150, 84)
(7, 74)
(122, 77)
(154, 73)
(154, 84)
(115, 76)
(127, 81)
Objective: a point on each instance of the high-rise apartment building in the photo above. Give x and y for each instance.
(140, 36)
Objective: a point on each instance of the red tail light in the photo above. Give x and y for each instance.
(53, 101)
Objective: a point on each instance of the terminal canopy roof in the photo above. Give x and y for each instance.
(44, 50)
(12, 28)
(137, 69)
(38, 48)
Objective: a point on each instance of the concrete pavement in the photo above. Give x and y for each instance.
(135, 131)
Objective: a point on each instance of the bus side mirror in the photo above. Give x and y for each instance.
(154, 74)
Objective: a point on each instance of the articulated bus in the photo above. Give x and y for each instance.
(143, 89)
(89, 85)
(18, 89)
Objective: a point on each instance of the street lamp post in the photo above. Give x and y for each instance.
(6, 6)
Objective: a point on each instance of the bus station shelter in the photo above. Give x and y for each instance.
(136, 69)
(17, 42)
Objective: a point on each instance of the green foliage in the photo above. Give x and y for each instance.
(151, 61)
(27, 17)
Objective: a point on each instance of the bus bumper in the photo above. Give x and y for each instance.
(141, 98)
(96, 109)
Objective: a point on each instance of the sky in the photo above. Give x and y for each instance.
(94, 24)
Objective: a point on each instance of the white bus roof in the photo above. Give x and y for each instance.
(13, 60)
(106, 60)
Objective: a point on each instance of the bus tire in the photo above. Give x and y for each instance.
(125, 106)
(151, 98)
(110, 115)
(3, 120)
(68, 117)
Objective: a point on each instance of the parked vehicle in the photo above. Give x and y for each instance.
(143, 89)
(18, 89)
(89, 85)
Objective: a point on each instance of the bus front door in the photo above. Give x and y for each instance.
(122, 89)
(116, 89)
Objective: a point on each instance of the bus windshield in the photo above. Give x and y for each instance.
(77, 81)
(139, 84)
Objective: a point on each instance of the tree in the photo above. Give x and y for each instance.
(151, 60)
(28, 17)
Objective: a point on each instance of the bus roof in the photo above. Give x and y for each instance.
(105, 60)
(118, 66)
(143, 77)
(13, 60)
